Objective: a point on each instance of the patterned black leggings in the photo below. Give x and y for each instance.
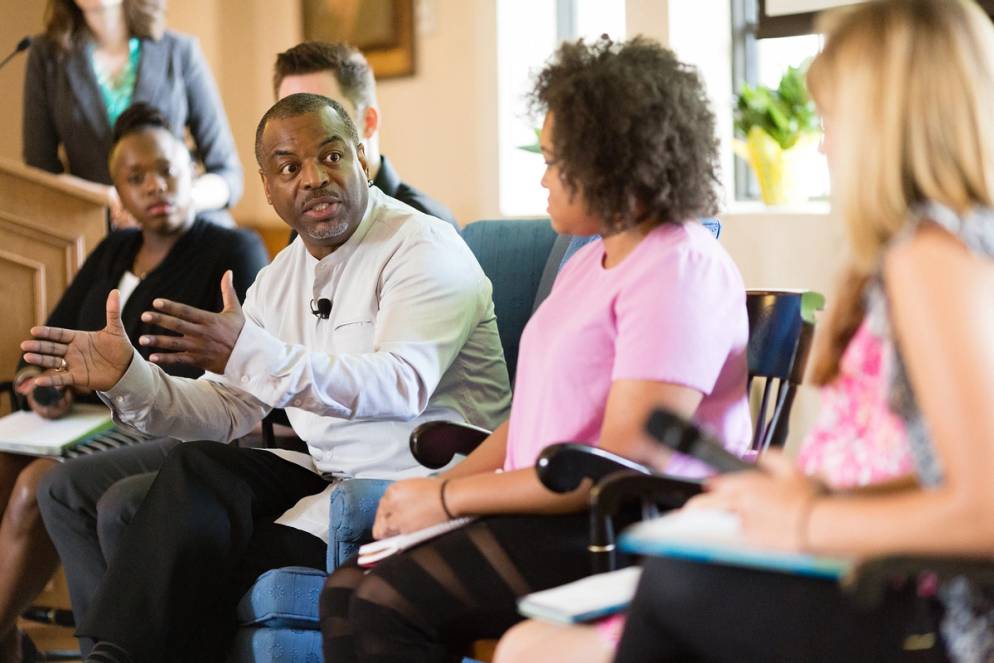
(432, 602)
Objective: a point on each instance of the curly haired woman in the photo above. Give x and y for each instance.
(652, 314)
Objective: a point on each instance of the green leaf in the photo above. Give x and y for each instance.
(811, 301)
(536, 147)
(786, 113)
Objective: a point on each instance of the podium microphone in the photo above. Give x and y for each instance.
(20, 48)
(322, 309)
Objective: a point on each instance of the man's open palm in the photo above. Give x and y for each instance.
(92, 360)
(205, 339)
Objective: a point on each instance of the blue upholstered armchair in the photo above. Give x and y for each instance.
(278, 616)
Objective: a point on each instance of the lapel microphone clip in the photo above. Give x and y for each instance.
(321, 308)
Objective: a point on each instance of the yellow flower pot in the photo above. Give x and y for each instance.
(776, 169)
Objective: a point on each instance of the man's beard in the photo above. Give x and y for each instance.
(332, 231)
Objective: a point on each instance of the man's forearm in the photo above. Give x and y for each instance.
(148, 399)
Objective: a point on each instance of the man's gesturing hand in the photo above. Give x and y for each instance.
(93, 360)
(206, 340)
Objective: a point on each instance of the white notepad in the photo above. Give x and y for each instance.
(587, 599)
(371, 553)
(27, 433)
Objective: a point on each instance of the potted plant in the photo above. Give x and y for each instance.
(780, 129)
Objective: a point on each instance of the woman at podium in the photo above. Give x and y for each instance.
(94, 60)
(174, 253)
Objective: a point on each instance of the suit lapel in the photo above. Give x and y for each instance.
(153, 65)
(84, 88)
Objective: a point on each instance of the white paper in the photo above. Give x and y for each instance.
(371, 553)
(705, 525)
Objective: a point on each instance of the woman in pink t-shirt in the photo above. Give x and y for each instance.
(654, 314)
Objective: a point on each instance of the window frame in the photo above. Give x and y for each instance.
(786, 25)
(745, 69)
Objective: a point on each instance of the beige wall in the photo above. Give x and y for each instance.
(440, 126)
(19, 18)
(802, 249)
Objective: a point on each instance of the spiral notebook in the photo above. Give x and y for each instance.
(27, 433)
(713, 536)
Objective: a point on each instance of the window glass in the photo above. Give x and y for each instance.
(773, 57)
(527, 35)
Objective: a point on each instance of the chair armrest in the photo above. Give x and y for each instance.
(352, 512)
(618, 488)
(661, 490)
(435, 443)
(870, 579)
(561, 467)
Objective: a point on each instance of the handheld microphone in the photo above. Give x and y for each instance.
(20, 48)
(680, 435)
(321, 309)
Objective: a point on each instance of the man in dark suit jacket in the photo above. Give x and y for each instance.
(340, 72)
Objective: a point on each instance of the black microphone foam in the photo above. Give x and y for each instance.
(46, 396)
(323, 308)
(684, 437)
(22, 46)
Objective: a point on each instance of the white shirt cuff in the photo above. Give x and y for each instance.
(136, 388)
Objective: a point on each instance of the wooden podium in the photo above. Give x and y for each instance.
(48, 225)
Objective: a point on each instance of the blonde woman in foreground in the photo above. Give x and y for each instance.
(906, 89)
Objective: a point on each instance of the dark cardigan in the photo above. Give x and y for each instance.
(189, 274)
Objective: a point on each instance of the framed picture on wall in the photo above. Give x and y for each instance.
(382, 29)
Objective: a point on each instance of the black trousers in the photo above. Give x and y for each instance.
(202, 535)
(686, 611)
(86, 504)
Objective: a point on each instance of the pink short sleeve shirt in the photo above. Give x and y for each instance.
(672, 311)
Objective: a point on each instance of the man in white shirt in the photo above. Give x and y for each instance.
(375, 318)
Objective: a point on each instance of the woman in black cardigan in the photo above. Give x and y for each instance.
(174, 255)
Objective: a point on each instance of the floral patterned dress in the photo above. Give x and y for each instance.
(857, 440)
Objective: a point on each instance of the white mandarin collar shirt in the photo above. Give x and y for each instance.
(412, 336)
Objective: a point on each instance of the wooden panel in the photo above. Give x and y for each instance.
(48, 225)
(22, 287)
